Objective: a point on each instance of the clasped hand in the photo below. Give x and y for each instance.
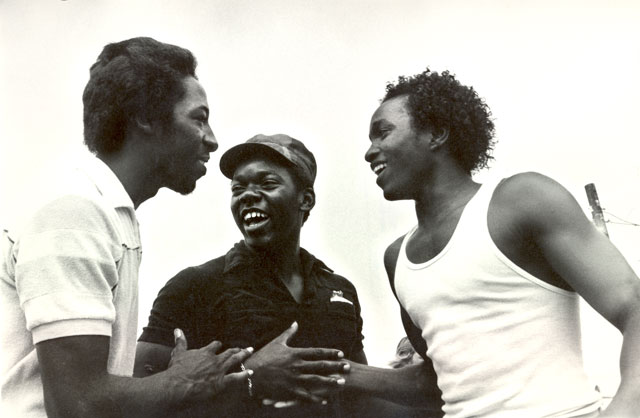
(284, 373)
(199, 375)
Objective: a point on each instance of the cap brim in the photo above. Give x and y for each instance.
(236, 155)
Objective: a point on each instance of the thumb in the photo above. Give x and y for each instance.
(180, 342)
(287, 334)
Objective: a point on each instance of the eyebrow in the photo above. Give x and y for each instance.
(260, 175)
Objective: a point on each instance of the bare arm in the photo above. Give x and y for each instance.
(589, 263)
(76, 382)
(360, 400)
(412, 385)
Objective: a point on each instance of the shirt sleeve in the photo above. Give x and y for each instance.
(66, 268)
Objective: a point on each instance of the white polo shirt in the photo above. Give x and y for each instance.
(72, 269)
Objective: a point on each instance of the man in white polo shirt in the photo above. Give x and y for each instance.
(69, 276)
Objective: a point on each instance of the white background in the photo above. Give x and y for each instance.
(561, 78)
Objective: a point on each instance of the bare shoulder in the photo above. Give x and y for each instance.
(529, 187)
(391, 255)
(533, 198)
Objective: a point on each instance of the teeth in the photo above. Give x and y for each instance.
(379, 167)
(254, 215)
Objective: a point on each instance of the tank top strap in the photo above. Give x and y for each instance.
(480, 202)
(472, 220)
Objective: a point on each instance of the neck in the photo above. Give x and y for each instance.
(134, 171)
(285, 258)
(446, 192)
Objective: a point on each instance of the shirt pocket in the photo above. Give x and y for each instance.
(334, 325)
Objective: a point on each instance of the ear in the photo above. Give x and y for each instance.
(143, 124)
(438, 137)
(308, 200)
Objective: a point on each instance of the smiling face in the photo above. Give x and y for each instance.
(398, 155)
(185, 144)
(267, 204)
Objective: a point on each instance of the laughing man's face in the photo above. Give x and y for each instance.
(398, 155)
(266, 203)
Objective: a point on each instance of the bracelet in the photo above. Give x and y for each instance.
(249, 382)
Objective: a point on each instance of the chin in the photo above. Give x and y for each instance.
(389, 192)
(392, 195)
(184, 188)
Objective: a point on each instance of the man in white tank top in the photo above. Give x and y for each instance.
(488, 280)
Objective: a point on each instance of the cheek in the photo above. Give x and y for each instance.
(289, 205)
(188, 136)
(234, 207)
(236, 219)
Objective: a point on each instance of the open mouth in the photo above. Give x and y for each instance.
(378, 168)
(254, 219)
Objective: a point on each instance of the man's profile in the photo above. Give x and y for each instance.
(69, 275)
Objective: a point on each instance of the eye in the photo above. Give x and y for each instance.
(236, 189)
(269, 184)
(201, 118)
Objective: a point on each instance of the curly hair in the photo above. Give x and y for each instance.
(437, 101)
(135, 77)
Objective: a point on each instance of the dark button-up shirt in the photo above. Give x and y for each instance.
(239, 300)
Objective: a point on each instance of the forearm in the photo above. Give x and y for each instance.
(76, 382)
(159, 395)
(108, 396)
(116, 396)
(411, 385)
(626, 402)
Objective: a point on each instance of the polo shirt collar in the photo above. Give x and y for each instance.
(241, 255)
(107, 183)
(309, 262)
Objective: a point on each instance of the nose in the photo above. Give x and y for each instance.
(209, 140)
(371, 153)
(249, 196)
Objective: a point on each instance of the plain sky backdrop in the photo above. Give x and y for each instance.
(561, 78)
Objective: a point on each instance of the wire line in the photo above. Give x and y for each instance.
(624, 222)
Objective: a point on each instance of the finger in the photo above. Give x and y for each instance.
(227, 354)
(303, 395)
(321, 383)
(180, 342)
(231, 357)
(285, 404)
(214, 346)
(323, 367)
(287, 334)
(238, 379)
(267, 402)
(319, 354)
(237, 357)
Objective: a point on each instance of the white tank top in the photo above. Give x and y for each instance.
(503, 342)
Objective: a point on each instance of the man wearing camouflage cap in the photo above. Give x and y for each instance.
(251, 296)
